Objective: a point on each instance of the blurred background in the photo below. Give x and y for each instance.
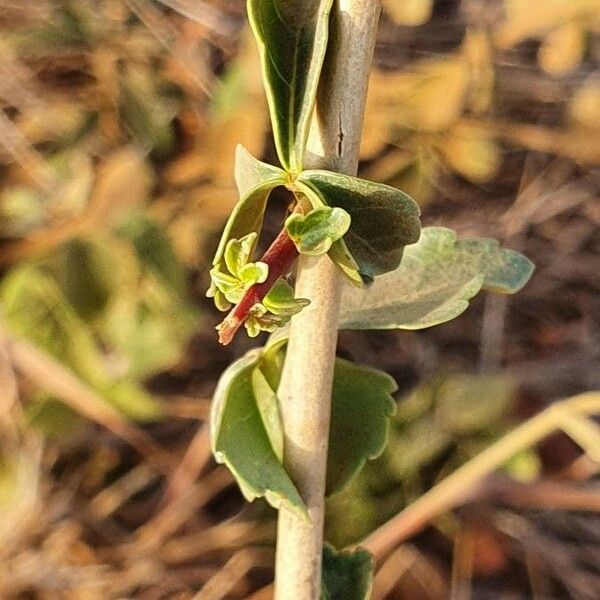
(118, 124)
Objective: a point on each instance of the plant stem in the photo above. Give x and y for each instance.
(305, 390)
(279, 257)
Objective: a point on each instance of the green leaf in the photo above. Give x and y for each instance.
(51, 417)
(239, 438)
(361, 408)
(255, 181)
(346, 575)
(315, 232)
(86, 277)
(437, 278)
(292, 39)
(281, 301)
(34, 307)
(268, 406)
(459, 404)
(383, 219)
(154, 251)
(148, 115)
(133, 402)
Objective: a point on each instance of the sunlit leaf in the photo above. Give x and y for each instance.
(409, 12)
(383, 219)
(462, 408)
(521, 22)
(86, 277)
(437, 278)
(562, 50)
(268, 406)
(471, 152)
(147, 325)
(255, 181)
(584, 108)
(154, 251)
(240, 441)
(361, 407)
(35, 308)
(315, 232)
(292, 39)
(148, 115)
(346, 575)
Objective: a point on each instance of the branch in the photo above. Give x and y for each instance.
(305, 391)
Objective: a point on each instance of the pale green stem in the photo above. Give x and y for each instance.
(305, 392)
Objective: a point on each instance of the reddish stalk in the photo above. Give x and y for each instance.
(279, 258)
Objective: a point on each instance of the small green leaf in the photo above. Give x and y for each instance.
(281, 301)
(268, 406)
(239, 438)
(154, 250)
(315, 232)
(459, 404)
(86, 277)
(147, 115)
(229, 288)
(255, 181)
(251, 173)
(292, 39)
(34, 307)
(346, 575)
(383, 219)
(362, 405)
(437, 278)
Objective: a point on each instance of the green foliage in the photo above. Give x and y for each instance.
(292, 39)
(240, 439)
(50, 416)
(86, 277)
(255, 181)
(362, 405)
(228, 288)
(35, 308)
(373, 233)
(252, 446)
(437, 427)
(315, 232)
(154, 251)
(383, 219)
(111, 308)
(346, 575)
(437, 278)
(276, 309)
(147, 114)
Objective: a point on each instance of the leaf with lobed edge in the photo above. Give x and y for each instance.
(383, 219)
(437, 278)
(361, 407)
(255, 181)
(239, 438)
(315, 233)
(347, 575)
(292, 40)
